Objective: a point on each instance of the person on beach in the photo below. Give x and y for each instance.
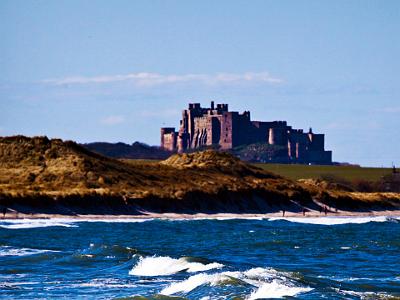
(326, 210)
(304, 211)
(283, 213)
(4, 211)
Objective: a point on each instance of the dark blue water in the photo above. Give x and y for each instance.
(201, 259)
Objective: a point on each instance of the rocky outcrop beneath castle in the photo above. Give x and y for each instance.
(52, 176)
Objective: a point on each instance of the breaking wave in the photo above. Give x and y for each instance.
(275, 289)
(195, 281)
(336, 220)
(12, 251)
(164, 265)
(36, 223)
(269, 283)
(62, 222)
(73, 222)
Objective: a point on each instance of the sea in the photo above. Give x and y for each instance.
(252, 258)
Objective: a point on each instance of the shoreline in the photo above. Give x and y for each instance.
(199, 216)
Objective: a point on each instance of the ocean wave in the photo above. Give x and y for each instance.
(63, 222)
(197, 280)
(335, 220)
(365, 295)
(164, 265)
(116, 220)
(276, 289)
(36, 223)
(351, 279)
(12, 251)
(269, 282)
(109, 283)
(73, 222)
(24, 285)
(218, 217)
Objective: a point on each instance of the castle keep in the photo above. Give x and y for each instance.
(217, 126)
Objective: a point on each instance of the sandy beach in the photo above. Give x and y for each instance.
(221, 216)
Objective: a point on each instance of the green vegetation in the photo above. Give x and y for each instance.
(296, 172)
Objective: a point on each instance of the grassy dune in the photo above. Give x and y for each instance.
(51, 174)
(296, 172)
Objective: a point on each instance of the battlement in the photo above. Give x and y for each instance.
(218, 127)
(194, 106)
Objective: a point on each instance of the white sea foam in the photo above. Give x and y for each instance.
(13, 285)
(333, 220)
(62, 222)
(219, 217)
(12, 251)
(193, 282)
(269, 282)
(277, 289)
(164, 265)
(36, 223)
(105, 283)
(346, 279)
(364, 295)
(71, 222)
(117, 220)
(272, 283)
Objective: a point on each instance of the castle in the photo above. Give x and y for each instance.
(217, 126)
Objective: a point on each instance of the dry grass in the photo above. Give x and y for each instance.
(37, 170)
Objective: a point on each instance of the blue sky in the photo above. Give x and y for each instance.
(119, 70)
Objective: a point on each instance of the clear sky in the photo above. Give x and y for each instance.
(120, 70)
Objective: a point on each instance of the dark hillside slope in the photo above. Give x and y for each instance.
(121, 150)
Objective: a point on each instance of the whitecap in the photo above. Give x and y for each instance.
(187, 285)
(269, 282)
(277, 289)
(164, 265)
(332, 220)
(12, 251)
